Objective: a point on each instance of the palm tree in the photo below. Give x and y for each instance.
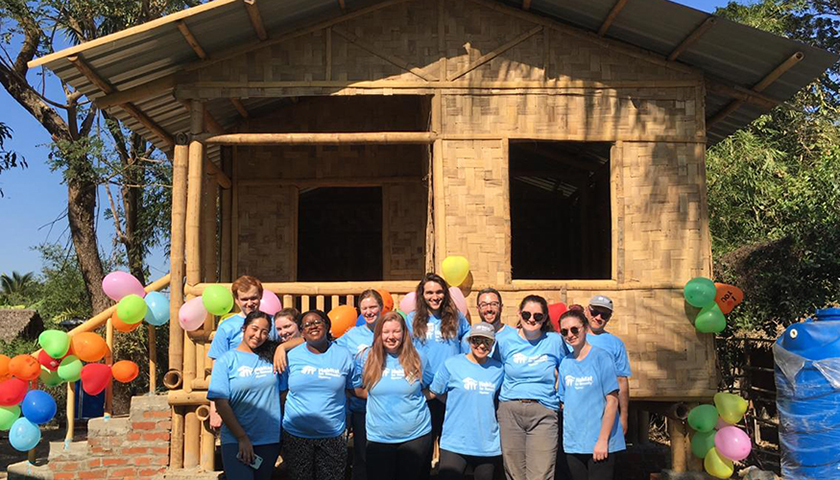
(16, 284)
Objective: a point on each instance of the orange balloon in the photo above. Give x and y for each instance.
(728, 297)
(4, 368)
(125, 371)
(343, 318)
(25, 367)
(121, 326)
(387, 300)
(88, 346)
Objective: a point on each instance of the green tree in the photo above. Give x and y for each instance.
(16, 288)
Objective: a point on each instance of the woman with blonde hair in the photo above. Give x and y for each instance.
(394, 378)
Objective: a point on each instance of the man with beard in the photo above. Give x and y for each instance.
(490, 310)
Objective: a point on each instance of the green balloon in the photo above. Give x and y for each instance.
(55, 342)
(702, 442)
(703, 418)
(131, 309)
(49, 377)
(710, 320)
(217, 299)
(70, 368)
(8, 415)
(700, 292)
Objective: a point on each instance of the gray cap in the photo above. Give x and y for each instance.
(483, 329)
(601, 301)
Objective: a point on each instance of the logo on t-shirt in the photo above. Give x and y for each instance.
(578, 383)
(308, 370)
(486, 388)
(470, 384)
(245, 371)
(531, 361)
(519, 358)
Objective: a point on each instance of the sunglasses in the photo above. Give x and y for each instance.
(595, 313)
(566, 331)
(481, 341)
(313, 323)
(538, 317)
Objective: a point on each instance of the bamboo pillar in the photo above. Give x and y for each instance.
(176, 442)
(209, 197)
(109, 359)
(152, 359)
(176, 285)
(225, 207)
(193, 227)
(207, 453)
(71, 412)
(192, 428)
(679, 441)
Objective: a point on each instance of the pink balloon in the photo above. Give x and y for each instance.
(733, 443)
(408, 303)
(119, 284)
(270, 303)
(192, 314)
(458, 297)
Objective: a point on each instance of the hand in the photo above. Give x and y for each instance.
(280, 363)
(600, 451)
(246, 451)
(215, 418)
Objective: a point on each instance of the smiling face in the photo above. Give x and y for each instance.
(598, 318)
(392, 336)
(481, 347)
(433, 295)
(314, 328)
(490, 308)
(532, 317)
(287, 329)
(573, 330)
(256, 333)
(248, 300)
(370, 310)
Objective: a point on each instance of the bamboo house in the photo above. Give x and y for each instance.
(328, 146)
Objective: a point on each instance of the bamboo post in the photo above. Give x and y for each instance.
(678, 435)
(208, 446)
(176, 443)
(152, 359)
(176, 285)
(193, 231)
(109, 359)
(192, 428)
(71, 413)
(225, 206)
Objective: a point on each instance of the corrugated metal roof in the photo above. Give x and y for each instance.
(728, 51)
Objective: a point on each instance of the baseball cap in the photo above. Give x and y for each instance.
(483, 329)
(601, 301)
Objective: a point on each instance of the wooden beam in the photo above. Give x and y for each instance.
(191, 40)
(392, 59)
(210, 123)
(526, 5)
(619, 5)
(256, 19)
(329, 182)
(237, 104)
(221, 177)
(748, 96)
(380, 138)
(148, 123)
(139, 92)
(693, 37)
(495, 53)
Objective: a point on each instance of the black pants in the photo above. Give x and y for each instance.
(453, 465)
(398, 461)
(561, 466)
(583, 467)
(437, 409)
(357, 420)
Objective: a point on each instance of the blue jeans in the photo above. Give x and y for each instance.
(234, 469)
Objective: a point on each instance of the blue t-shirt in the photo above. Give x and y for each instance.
(584, 386)
(356, 340)
(501, 334)
(615, 347)
(470, 426)
(396, 409)
(229, 335)
(530, 368)
(317, 383)
(435, 348)
(253, 391)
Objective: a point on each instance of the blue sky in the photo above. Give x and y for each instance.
(35, 196)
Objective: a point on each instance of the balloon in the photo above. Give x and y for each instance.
(342, 317)
(721, 423)
(404, 315)
(121, 326)
(225, 317)
(270, 303)
(731, 407)
(718, 466)
(55, 342)
(733, 443)
(554, 312)
(700, 292)
(458, 298)
(702, 442)
(710, 320)
(387, 300)
(95, 377)
(157, 313)
(131, 309)
(47, 361)
(4, 368)
(125, 371)
(8, 415)
(455, 269)
(120, 284)
(50, 378)
(703, 418)
(25, 367)
(24, 435)
(727, 297)
(191, 315)
(12, 392)
(217, 299)
(408, 303)
(70, 368)
(38, 407)
(89, 347)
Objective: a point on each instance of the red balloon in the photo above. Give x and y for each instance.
(12, 391)
(95, 378)
(48, 362)
(554, 312)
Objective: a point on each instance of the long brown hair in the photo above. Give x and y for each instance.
(546, 325)
(448, 312)
(375, 363)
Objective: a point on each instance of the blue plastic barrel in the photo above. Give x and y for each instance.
(807, 366)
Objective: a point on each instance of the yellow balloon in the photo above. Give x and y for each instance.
(455, 269)
(730, 407)
(717, 465)
(226, 316)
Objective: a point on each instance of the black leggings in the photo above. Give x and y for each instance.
(583, 467)
(453, 465)
(393, 461)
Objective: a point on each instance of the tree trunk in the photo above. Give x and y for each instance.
(81, 214)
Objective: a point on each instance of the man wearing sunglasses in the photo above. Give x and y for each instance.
(598, 313)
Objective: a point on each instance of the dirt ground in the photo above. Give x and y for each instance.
(9, 455)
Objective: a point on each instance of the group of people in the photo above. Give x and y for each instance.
(494, 396)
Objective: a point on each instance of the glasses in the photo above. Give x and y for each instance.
(313, 323)
(538, 317)
(595, 313)
(481, 341)
(489, 304)
(566, 331)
